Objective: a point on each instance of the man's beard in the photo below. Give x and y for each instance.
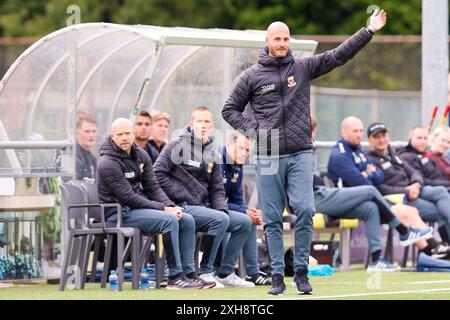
(141, 138)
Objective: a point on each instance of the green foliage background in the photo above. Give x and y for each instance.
(305, 17)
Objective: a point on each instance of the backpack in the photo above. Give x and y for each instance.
(264, 259)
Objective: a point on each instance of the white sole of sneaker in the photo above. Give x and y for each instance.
(250, 285)
(243, 287)
(439, 256)
(369, 270)
(218, 286)
(172, 288)
(278, 294)
(299, 292)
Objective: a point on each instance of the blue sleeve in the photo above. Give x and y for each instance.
(237, 194)
(342, 166)
(377, 177)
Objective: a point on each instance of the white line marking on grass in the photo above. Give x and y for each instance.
(429, 282)
(373, 294)
(340, 282)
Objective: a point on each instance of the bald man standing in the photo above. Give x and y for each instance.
(277, 88)
(125, 176)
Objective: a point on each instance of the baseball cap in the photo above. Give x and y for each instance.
(375, 128)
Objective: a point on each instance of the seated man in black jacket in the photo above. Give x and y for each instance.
(125, 176)
(350, 166)
(86, 137)
(189, 171)
(414, 155)
(365, 203)
(432, 202)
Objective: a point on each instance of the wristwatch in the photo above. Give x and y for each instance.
(370, 31)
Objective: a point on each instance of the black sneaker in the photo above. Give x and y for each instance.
(301, 282)
(278, 286)
(205, 283)
(259, 279)
(182, 282)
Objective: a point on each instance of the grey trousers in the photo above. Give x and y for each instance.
(434, 205)
(276, 177)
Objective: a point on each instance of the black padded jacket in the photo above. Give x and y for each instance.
(128, 179)
(278, 90)
(190, 172)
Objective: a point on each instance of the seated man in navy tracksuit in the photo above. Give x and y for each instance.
(348, 166)
(234, 155)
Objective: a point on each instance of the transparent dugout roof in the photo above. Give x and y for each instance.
(100, 68)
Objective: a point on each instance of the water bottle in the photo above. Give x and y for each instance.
(151, 284)
(151, 272)
(143, 282)
(113, 281)
(151, 276)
